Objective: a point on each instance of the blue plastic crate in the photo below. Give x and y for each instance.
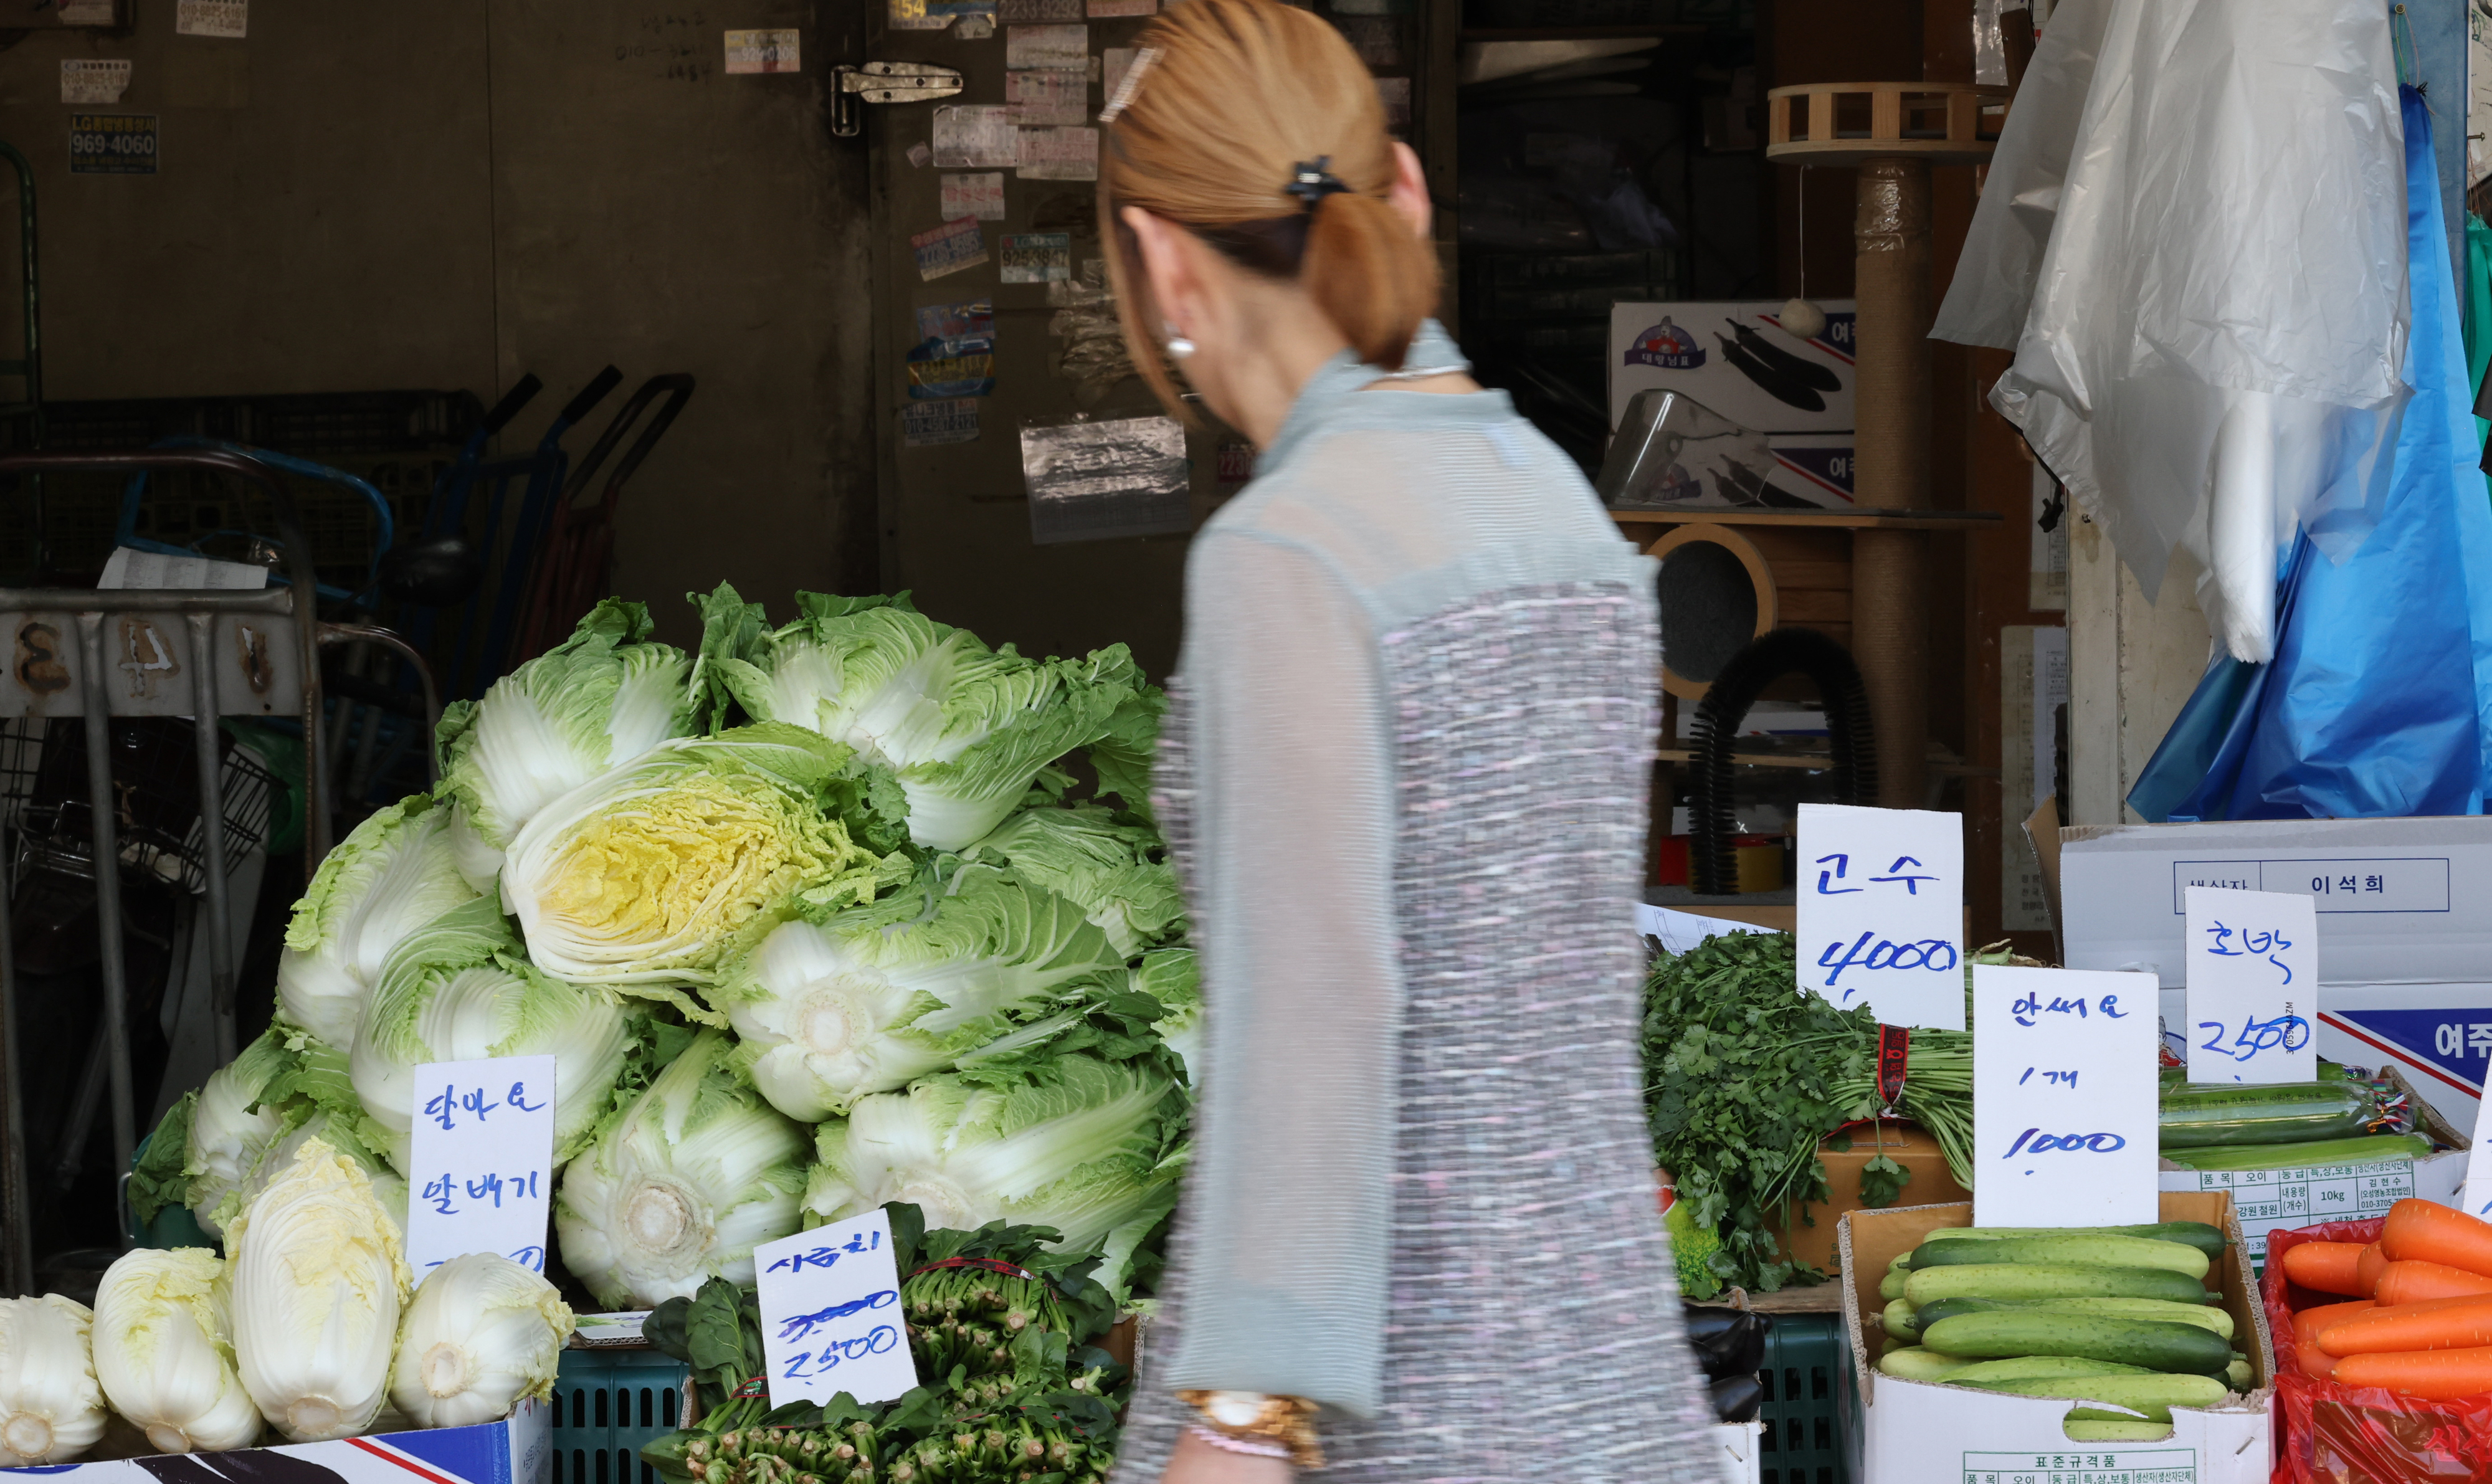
(1803, 1441)
(606, 1402)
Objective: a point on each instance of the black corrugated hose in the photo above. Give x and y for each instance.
(1713, 869)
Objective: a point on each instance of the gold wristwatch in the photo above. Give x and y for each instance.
(1289, 1421)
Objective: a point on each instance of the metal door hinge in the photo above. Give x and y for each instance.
(886, 83)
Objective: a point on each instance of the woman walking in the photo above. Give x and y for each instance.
(1403, 774)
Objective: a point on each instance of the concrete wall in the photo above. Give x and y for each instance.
(450, 194)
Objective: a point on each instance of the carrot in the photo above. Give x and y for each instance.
(2368, 1265)
(2325, 1267)
(2314, 1362)
(2412, 1282)
(2448, 1323)
(2436, 1375)
(2428, 1231)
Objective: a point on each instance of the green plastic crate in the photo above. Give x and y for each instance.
(606, 1402)
(1803, 1441)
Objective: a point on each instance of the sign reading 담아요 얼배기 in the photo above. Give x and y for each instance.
(479, 1161)
(1882, 912)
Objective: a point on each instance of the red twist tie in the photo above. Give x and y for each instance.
(1894, 1048)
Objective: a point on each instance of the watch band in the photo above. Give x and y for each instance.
(1285, 1422)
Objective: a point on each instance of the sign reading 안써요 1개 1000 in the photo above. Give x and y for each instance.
(112, 144)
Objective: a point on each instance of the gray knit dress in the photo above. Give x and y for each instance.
(1403, 776)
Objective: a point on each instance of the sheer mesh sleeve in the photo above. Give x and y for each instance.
(1292, 1190)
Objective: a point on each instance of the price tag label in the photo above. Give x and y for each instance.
(2063, 1097)
(480, 1161)
(1882, 912)
(2253, 975)
(830, 1314)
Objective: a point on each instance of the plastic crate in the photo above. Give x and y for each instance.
(1803, 1441)
(607, 1404)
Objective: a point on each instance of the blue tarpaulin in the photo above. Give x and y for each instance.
(2379, 700)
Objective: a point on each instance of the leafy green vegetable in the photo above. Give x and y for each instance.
(1111, 869)
(161, 1177)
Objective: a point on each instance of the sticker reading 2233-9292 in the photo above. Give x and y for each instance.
(2128, 1466)
(112, 144)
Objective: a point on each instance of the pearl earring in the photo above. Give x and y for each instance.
(1179, 346)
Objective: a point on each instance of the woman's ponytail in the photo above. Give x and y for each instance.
(1374, 278)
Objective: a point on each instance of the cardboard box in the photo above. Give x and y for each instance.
(2405, 950)
(1911, 1145)
(2265, 1200)
(1681, 347)
(516, 1450)
(1900, 1431)
(1737, 1446)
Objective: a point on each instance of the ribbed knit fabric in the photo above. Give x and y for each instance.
(1404, 777)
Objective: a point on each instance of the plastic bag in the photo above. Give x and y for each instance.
(2359, 1434)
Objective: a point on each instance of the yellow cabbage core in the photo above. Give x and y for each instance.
(652, 867)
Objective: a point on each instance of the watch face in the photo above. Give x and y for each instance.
(1234, 1409)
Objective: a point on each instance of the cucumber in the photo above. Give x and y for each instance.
(2152, 1396)
(2197, 1233)
(1920, 1364)
(1902, 1321)
(2158, 1345)
(2196, 1114)
(2081, 1251)
(2212, 1320)
(1890, 1345)
(2238, 1376)
(2290, 1156)
(1892, 1287)
(2125, 1430)
(2031, 1280)
(2036, 1366)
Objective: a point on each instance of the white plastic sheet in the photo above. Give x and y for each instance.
(2193, 237)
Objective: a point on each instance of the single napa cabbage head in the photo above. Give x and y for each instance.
(1112, 871)
(875, 995)
(482, 1334)
(233, 1123)
(654, 873)
(51, 1410)
(680, 1184)
(460, 990)
(319, 1281)
(392, 875)
(164, 1350)
(600, 698)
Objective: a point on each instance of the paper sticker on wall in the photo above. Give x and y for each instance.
(1059, 154)
(762, 51)
(1047, 48)
(228, 19)
(980, 195)
(1111, 9)
(1047, 98)
(1093, 481)
(94, 79)
(89, 12)
(1236, 463)
(914, 15)
(949, 248)
(977, 27)
(1022, 12)
(973, 320)
(1037, 258)
(1113, 62)
(112, 144)
(933, 424)
(941, 368)
(975, 135)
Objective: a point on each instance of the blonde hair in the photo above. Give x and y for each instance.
(1227, 102)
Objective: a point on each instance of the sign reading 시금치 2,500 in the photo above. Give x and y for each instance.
(112, 144)
(1882, 912)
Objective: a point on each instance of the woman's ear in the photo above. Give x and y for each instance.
(1409, 191)
(1166, 267)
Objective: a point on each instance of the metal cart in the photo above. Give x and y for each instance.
(107, 653)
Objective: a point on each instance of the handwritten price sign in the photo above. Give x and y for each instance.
(830, 1314)
(480, 1161)
(2063, 1097)
(1882, 912)
(2253, 971)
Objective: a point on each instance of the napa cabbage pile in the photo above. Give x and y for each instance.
(845, 909)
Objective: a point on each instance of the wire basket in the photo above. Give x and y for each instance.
(158, 822)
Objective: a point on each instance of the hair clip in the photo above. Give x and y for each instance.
(1311, 183)
(1125, 85)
